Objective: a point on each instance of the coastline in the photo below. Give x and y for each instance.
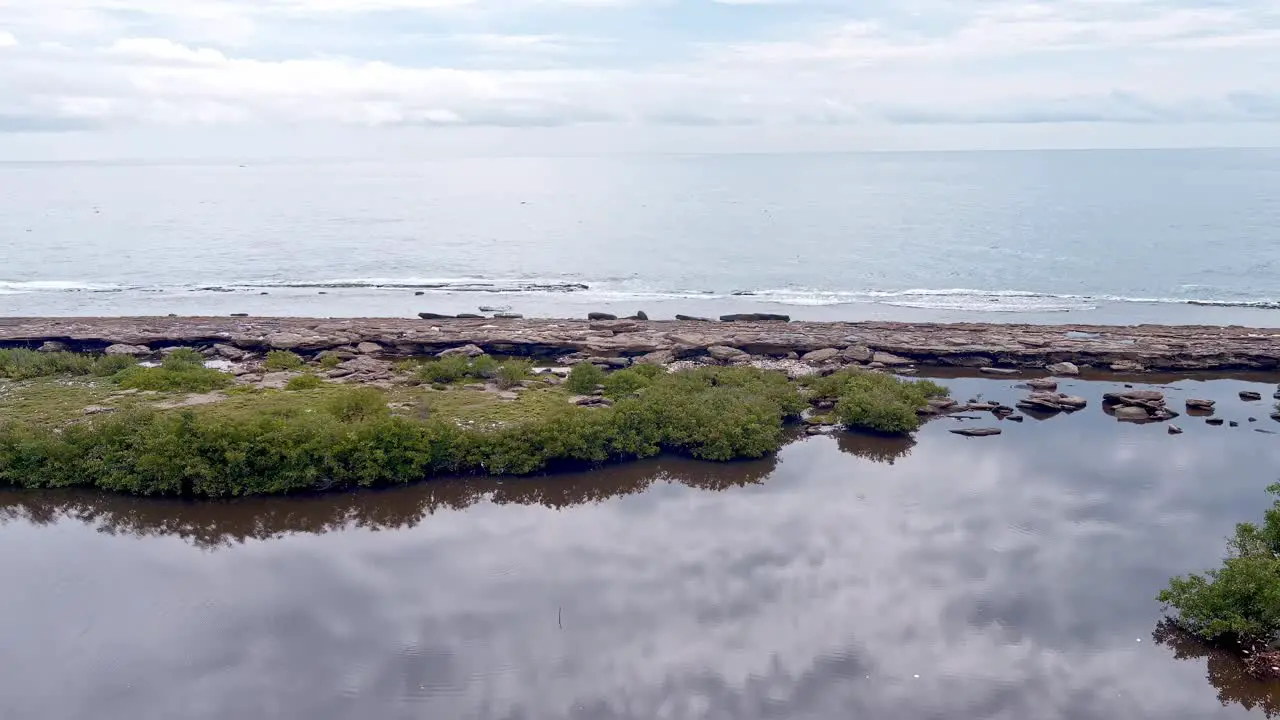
(1104, 348)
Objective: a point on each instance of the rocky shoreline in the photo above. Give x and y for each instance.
(997, 347)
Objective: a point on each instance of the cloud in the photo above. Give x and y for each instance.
(651, 63)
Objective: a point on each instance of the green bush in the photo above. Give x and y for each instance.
(482, 367)
(875, 401)
(306, 381)
(449, 369)
(329, 362)
(622, 383)
(22, 364)
(173, 377)
(512, 372)
(282, 360)
(584, 377)
(1239, 603)
(361, 403)
(184, 356)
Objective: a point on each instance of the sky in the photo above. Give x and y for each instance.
(126, 78)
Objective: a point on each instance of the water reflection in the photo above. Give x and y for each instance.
(1224, 671)
(1011, 577)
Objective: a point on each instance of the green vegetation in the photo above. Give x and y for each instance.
(178, 373)
(185, 356)
(584, 377)
(453, 368)
(329, 362)
(1239, 603)
(20, 364)
(512, 372)
(306, 381)
(622, 383)
(875, 401)
(282, 360)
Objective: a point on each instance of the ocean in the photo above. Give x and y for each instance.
(1179, 236)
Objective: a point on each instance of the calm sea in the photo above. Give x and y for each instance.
(1098, 236)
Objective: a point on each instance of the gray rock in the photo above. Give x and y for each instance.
(1072, 402)
(277, 380)
(1131, 413)
(1015, 418)
(889, 359)
(613, 362)
(98, 410)
(1214, 421)
(817, 357)
(724, 353)
(641, 315)
(661, 357)
(693, 318)
(1233, 423)
(1194, 404)
(131, 350)
(1175, 430)
(590, 401)
(434, 316)
(999, 371)
(1127, 366)
(1063, 368)
(1042, 384)
(507, 316)
(229, 352)
(54, 346)
(856, 353)
(1135, 396)
(755, 317)
(468, 350)
(469, 316)
(977, 432)
(368, 348)
(601, 316)
(1250, 396)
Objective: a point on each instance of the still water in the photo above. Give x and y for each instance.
(1007, 577)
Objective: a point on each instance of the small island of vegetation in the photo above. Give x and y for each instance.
(179, 428)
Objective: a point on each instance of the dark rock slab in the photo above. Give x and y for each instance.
(977, 432)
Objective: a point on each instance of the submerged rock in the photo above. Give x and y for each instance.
(977, 432)
(1000, 371)
(1250, 396)
(1131, 413)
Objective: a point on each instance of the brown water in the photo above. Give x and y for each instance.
(1007, 577)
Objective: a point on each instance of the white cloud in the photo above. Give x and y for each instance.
(7, 40)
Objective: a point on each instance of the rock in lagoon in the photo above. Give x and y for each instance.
(434, 316)
(418, 293)
(1250, 396)
(132, 350)
(1233, 423)
(817, 357)
(889, 359)
(1175, 430)
(1194, 404)
(724, 353)
(1134, 396)
(601, 316)
(1275, 416)
(999, 371)
(1063, 368)
(1042, 384)
(977, 432)
(856, 353)
(693, 318)
(1127, 366)
(1214, 421)
(1131, 414)
(1015, 418)
(54, 346)
(468, 350)
(755, 317)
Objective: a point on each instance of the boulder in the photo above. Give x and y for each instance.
(1250, 396)
(1063, 368)
(889, 359)
(601, 316)
(693, 318)
(977, 432)
(1131, 413)
(755, 317)
(230, 352)
(1194, 404)
(368, 348)
(1042, 384)
(817, 357)
(856, 353)
(998, 371)
(54, 346)
(1127, 366)
(724, 353)
(1214, 421)
(434, 316)
(641, 315)
(660, 357)
(468, 350)
(132, 350)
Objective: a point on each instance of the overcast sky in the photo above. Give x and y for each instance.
(127, 78)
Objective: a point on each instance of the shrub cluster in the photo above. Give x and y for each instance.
(1239, 603)
(22, 364)
(584, 377)
(282, 360)
(452, 368)
(875, 401)
(712, 413)
(180, 372)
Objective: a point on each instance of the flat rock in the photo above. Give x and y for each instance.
(1214, 421)
(1138, 395)
(590, 401)
(1042, 384)
(977, 432)
(817, 357)
(724, 353)
(98, 410)
(434, 316)
(755, 317)
(467, 350)
(1015, 418)
(1063, 368)
(1127, 366)
(277, 380)
(507, 316)
(660, 357)
(1130, 413)
(856, 353)
(1194, 404)
(693, 318)
(368, 348)
(1250, 396)
(999, 371)
(601, 316)
(230, 352)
